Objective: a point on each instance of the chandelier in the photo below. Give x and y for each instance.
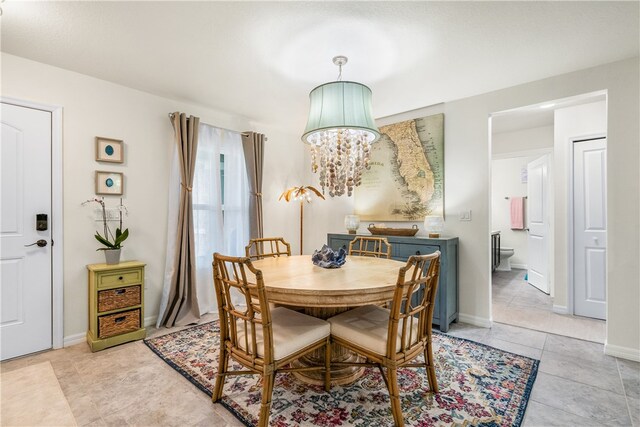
(340, 131)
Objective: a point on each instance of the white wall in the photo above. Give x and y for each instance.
(94, 107)
(467, 183)
(506, 182)
(466, 134)
(536, 138)
(578, 121)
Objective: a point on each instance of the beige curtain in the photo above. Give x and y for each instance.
(182, 303)
(253, 146)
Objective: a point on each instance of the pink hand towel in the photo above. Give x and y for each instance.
(517, 213)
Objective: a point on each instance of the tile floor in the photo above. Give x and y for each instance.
(26, 402)
(129, 385)
(515, 302)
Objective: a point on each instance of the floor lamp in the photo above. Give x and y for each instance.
(301, 194)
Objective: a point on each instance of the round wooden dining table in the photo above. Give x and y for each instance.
(324, 292)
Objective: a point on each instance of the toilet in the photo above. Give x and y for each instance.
(505, 259)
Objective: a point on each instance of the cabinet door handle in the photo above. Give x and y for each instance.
(119, 319)
(120, 278)
(418, 253)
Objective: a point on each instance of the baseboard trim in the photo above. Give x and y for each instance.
(519, 266)
(150, 321)
(482, 322)
(74, 339)
(560, 309)
(622, 352)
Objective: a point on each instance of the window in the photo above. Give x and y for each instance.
(220, 205)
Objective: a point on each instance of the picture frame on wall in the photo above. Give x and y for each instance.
(109, 150)
(109, 183)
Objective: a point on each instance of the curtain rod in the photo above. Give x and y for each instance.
(228, 130)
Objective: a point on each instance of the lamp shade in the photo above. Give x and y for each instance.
(340, 105)
(434, 225)
(351, 223)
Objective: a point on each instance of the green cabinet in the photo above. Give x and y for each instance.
(116, 304)
(446, 306)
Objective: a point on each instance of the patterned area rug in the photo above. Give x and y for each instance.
(479, 385)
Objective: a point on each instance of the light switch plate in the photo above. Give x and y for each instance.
(465, 215)
(113, 214)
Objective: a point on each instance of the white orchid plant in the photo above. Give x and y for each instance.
(108, 239)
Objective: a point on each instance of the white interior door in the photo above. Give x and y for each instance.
(590, 227)
(538, 220)
(25, 273)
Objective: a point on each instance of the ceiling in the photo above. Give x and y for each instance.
(260, 60)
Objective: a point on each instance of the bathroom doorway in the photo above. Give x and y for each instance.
(531, 214)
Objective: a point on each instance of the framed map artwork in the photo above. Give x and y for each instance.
(405, 181)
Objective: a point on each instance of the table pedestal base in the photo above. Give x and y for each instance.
(340, 375)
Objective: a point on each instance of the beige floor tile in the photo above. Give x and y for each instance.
(523, 350)
(610, 409)
(517, 335)
(578, 327)
(531, 318)
(84, 411)
(31, 396)
(515, 302)
(12, 365)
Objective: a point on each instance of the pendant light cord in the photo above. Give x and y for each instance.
(339, 60)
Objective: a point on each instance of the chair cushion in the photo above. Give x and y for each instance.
(367, 327)
(292, 331)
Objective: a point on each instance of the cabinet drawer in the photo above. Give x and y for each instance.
(113, 299)
(118, 323)
(403, 252)
(126, 277)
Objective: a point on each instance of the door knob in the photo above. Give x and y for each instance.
(41, 243)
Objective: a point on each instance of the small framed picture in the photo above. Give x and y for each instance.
(109, 183)
(109, 150)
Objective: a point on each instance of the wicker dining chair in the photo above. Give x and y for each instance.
(263, 340)
(378, 247)
(267, 247)
(393, 338)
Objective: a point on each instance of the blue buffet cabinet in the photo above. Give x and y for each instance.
(446, 306)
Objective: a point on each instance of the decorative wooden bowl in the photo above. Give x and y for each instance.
(393, 231)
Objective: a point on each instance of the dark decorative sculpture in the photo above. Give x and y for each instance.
(328, 258)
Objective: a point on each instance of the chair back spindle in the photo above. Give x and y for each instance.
(413, 323)
(267, 247)
(238, 324)
(378, 247)
(408, 324)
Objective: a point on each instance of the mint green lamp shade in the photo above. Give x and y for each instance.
(340, 105)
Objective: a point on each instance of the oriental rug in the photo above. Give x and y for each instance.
(479, 386)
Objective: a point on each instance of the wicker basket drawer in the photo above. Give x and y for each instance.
(113, 299)
(127, 277)
(118, 323)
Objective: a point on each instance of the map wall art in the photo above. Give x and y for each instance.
(406, 179)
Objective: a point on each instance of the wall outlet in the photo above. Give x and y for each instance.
(113, 214)
(465, 216)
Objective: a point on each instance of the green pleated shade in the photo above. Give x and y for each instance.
(340, 105)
